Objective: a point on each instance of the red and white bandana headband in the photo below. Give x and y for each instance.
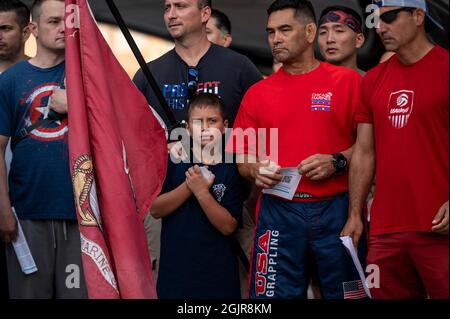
(338, 16)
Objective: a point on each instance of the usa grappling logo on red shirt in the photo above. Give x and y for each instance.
(400, 108)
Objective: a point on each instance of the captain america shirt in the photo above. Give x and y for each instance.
(40, 186)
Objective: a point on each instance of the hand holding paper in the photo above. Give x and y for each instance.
(267, 174)
(348, 243)
(288, 185)
(22, 251)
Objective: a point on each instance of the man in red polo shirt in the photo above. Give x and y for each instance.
(404, 128)
(312, 105)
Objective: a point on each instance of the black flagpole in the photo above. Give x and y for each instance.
(173, 123)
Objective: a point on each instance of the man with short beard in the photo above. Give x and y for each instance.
(196, 65)
(14, 32)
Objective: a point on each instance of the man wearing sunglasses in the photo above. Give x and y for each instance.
(403, 128)
(196, 65)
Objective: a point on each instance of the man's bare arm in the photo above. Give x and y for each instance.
(361, 176)
(362, 169)
(168, 203)
(8, 223)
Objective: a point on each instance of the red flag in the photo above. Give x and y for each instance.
(118, 158)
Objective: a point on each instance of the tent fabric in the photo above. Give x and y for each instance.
(248, 18)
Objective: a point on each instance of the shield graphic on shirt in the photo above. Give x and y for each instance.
(39, 109)
(219, 191)
(400, 108)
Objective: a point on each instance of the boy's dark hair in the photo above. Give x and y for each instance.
(36, 9)
(347, 10)
(20, 8)
(303, 9)
(204, 100)
(222, 21)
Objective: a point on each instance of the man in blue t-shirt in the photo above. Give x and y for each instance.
(40, 188)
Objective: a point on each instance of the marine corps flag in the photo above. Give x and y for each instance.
(118, 158)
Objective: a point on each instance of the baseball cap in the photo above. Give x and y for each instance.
(420, 4)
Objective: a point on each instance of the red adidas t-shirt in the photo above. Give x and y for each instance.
(408, 105)
(314, 114)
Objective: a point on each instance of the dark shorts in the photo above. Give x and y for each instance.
(56, 249)
(289, 237)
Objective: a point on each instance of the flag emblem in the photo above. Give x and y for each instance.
(321, 102)
(83, 180)
(354, 290)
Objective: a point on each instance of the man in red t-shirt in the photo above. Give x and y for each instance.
(311, 105)
(403, 128)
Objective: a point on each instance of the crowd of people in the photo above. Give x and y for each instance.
(214, 231)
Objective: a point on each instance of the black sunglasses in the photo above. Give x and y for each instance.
(192, 82)
(390, 16)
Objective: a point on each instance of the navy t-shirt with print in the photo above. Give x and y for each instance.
(221, 71)
(40, 186)
(197, 261)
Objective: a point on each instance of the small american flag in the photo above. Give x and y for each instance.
(354, 290)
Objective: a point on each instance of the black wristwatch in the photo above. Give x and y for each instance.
(339, 162)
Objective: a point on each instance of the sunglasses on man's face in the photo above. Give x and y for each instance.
(192, 82)
(390, 16)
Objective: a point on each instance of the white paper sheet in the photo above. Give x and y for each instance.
(22, 250)
(288, 185)
(348, 243)
(205, 172)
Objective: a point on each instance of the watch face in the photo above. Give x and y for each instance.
(342, 163)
